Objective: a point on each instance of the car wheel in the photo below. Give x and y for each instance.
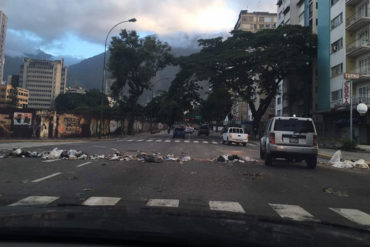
(244, 144)
(311, 162)
(223, 141)
(262, 154)
(268, 159)
(228, 142)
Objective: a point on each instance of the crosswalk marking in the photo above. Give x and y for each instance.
(187, 141)
(84, 164)
(171, 203)
(293, 212)
(214, 142)
(150, 140)
(140, 140)
(205, 142)
(177, 141)
(252, 144)
(47, 177)
(101, 201)
(167, 140)
(35, 200)
(354, 215)
(159, 140)
(130, 140)
(226, 206)
(196, 141)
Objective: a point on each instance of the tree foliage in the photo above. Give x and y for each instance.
(133, 62)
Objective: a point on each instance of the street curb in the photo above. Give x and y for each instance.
(324, 156)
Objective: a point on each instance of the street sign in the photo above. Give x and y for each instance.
(198, 117)
(351, 76)
(346, 92)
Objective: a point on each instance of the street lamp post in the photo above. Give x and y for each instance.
(103, 80)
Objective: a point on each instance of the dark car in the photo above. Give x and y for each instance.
(179, 132)
(204, 130)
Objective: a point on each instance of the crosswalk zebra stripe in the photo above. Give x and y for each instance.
(130, 140)
(159, 140)
(172, 203)
(293, 212)
(35, 200)
(167, 141)
(196, 141)
(234, 207)
(187, 141)
(101, 201)
(177, 141)
(214, 142)
(205, 142)
(353, 215)
(150, 140)
(140, 140)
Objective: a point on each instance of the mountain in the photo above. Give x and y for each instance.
(12, 64)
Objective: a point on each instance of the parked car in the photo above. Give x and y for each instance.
(292, 138)
(203, 130)
(189, 130)
(234, 135)
(179, 132)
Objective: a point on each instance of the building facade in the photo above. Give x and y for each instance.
(303, 13)
(255, 21)
(44, 79)
(6, 96)
(3, 27)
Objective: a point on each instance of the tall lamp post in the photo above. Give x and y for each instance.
(103, 80)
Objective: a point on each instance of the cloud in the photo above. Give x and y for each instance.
(53, 20)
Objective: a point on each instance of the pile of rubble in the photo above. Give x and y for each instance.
(73, 154)
(337, 161)
(234, 158)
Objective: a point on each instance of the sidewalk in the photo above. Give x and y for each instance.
(326, 153)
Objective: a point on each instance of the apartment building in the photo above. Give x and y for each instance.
(304, 13)
(44, 79)
(255, 21)
(3, 26)
(6, 92)
(344, 47)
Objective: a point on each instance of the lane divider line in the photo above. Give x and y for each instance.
(84, 164)
(47, 177)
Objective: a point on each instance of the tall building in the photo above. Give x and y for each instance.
(44, 79)
(6, 96)
(303, 13)
(344, 47)
(254, 21)
(3, 25)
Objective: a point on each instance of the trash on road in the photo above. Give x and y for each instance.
(336, 192)
(336, 161)
(234, 158)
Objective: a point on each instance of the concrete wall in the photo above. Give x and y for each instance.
(28, 123)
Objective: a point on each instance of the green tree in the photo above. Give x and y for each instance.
(134, 61)
(217, 105)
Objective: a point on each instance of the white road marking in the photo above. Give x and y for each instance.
(101, 201)
(353, 215)
(167, 141)
(130, 140)
(149, 140)
(177, 141)
(140, 140)
(84, 164)
(159, 140)
(293, 212)
(48, 161)
(187, 141)
(205, 142)
(196, 141)
(214, 142)
(171, 203)
(35, 200)
(226, 206)
(47, 177)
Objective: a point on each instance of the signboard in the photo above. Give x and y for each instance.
(349, 76)
(346, 92)
(22, 118)
(198, 117)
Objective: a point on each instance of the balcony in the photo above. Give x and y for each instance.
(353, 2)
(364, 74)
(359, 47)
(358, 20)
(357, 100)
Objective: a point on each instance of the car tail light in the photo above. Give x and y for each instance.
(246, 137)
(230, 136)
(272, 138)
(315, 140)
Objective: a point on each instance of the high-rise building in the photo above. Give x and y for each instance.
(44, 79)
(304, 13)
(254, 21)
(3, 25)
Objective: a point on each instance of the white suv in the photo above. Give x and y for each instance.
(292, 138)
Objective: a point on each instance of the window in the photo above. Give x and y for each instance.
(250, 18)
(300, 126)
(364, 66)
(262, 26)
(337, 45)
(336, 95)
(364, 92)
(262, 19)
(337, 21)
(268, 19)
(333, 2)
(337, 70)
(279, 101)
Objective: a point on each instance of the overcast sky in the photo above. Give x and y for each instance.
(77, 28)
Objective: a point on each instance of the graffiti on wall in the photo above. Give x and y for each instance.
(22, 118)
(69, 125)
(5, 125)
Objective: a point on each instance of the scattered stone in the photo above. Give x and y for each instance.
(336, 192)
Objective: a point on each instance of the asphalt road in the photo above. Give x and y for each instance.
(283, 190)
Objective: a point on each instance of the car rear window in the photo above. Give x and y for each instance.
(236, 131)
(295, 125)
